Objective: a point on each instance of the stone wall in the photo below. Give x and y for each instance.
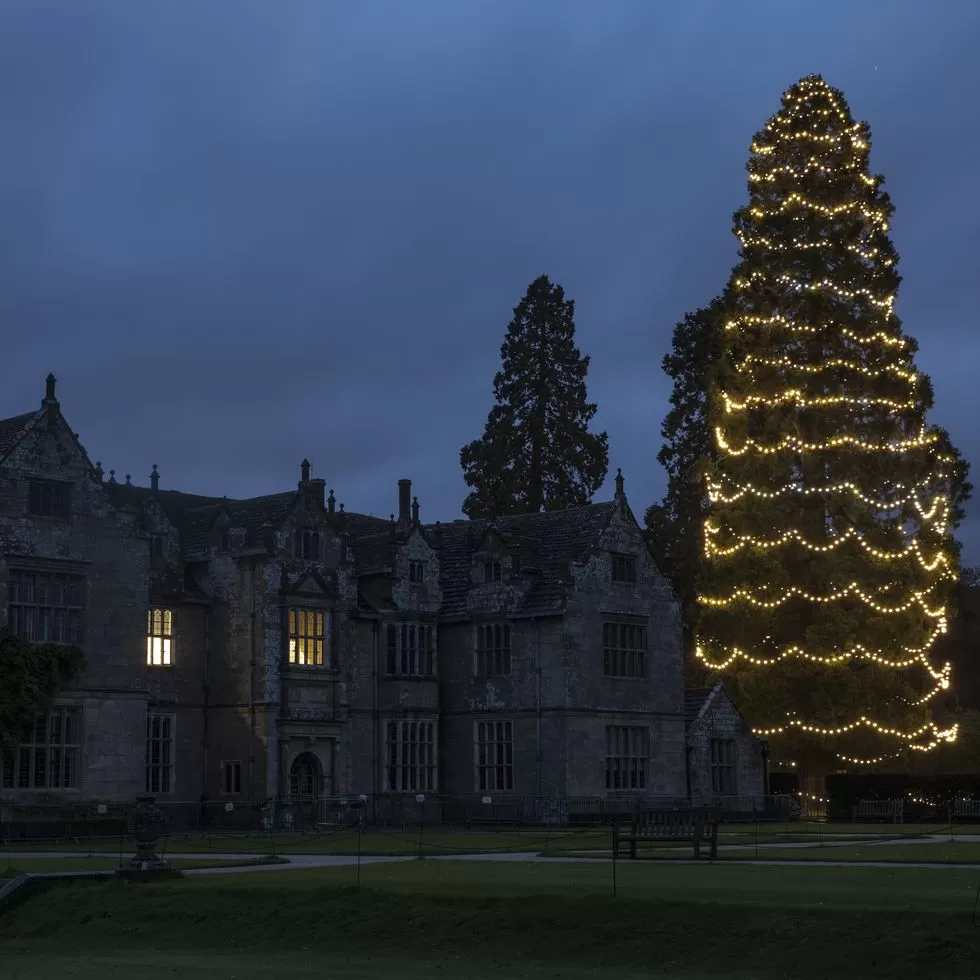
(719, 719)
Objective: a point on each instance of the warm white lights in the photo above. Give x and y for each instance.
(828, 481)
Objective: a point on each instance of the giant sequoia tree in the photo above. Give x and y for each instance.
(829, 561)
(536, 452)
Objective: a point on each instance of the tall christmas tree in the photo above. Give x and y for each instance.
(536, 452)
(829, 560)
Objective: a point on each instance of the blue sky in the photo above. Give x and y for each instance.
(241, 233)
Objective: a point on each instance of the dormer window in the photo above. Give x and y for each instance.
(416, 572)
(491, 571)
(624, 569)
(306, 545)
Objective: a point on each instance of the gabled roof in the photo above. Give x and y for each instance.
(13, 429)
(695, 698)
(545, 542)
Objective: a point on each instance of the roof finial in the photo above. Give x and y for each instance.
(129, 479)
(49, 383)
(415, 510)
(305, 471)
(112, 476)
(154, 478)
(98, 471)
(619, 483)
(332, 503)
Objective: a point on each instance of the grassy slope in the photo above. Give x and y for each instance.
(686, 921)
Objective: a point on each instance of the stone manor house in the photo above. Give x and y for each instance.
(281, 647)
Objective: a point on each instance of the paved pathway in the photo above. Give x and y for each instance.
(296, 862)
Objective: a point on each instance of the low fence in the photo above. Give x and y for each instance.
(60, 821)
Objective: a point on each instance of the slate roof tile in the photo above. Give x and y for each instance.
(12, 429)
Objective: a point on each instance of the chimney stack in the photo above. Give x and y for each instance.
(316, 491)
(404, 501)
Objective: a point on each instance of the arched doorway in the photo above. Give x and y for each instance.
(305, 787)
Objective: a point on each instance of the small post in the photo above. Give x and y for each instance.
(614, 850)
(358, 854)
(420, 799)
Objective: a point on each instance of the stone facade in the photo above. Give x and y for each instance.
(280, 647)
(726, 763)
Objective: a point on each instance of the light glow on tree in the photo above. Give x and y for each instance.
(829, 562)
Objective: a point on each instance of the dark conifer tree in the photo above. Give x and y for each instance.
(536, 452)
(830, 564)
(675, 526)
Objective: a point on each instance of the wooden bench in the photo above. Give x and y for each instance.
(697, 826)
(965, 808)
(893, 810)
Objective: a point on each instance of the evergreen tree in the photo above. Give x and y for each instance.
(536, 452)
(675, 526)
(830, 564)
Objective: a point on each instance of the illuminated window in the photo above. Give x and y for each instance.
(306, 637)
(410, 754)
(494, 750)
(232, 781)
(46, 608)
(627, 752)
(624, 568)
(47, 755)
(723, 766)
(491, 571)
(159, 753)
(159, 637)
(492, 649)
(624, 649)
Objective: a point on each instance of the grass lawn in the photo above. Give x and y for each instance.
(21, 865)
(395, 841)
(502, 920)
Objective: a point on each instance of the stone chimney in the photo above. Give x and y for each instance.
(49, 401)
(154, 479)
(620, 496)
(316, 490)
(404, 501)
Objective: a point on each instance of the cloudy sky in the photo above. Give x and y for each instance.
(241, 233)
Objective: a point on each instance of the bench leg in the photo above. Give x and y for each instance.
(633, 849)
(697, 845)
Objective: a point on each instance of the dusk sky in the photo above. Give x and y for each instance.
(241, 233)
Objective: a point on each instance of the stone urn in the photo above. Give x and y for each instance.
(147, 823)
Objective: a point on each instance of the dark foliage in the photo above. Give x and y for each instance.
(536, 452)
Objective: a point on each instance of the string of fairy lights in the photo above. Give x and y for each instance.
(842, 154)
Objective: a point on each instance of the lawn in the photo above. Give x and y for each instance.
(437, 840)
(506, 919)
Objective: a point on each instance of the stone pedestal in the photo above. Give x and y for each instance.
(147, 823)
